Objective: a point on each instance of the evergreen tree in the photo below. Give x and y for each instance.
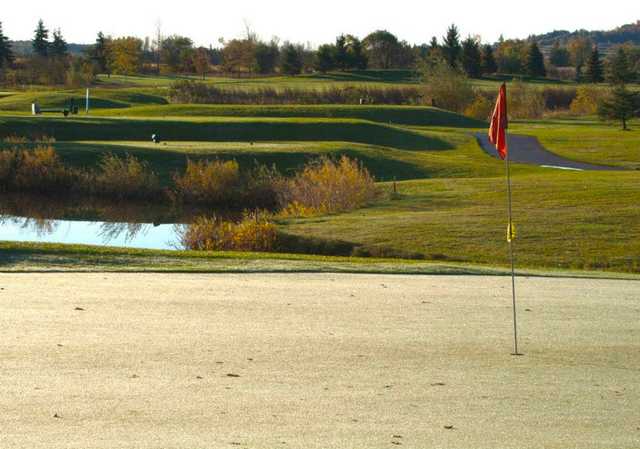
(623, 105)
(451, 48)
(291, 63)
(619, 71)
(340, 56)
(356, 57)
(471, 58)
(98, 53)
(595, 71)
(324, 61)
(535, 62)
(58, 48)
(559, 56)
(489, 65)
(40, 42)
(6, 54)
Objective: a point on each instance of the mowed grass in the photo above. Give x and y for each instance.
(583, 220)
(587, 140)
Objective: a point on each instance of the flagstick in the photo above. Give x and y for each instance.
(513, 271)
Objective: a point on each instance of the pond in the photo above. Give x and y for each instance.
(90, 221)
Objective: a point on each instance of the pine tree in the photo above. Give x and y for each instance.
(535, 62)
(471, 59)
(291, 63)
(6, 53)
(356, 57)
(623, 105)
(58, 48)
(619, 71)
(451, 48)
(559, 56)
(99, 53)
(595, 71)
(340, 56)
(40, 42)
(489, 65)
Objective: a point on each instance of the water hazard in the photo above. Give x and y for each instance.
(29, 218)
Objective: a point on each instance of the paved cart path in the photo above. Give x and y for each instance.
(528, 150)
(316, 361)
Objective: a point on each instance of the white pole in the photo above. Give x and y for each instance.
(87, 102)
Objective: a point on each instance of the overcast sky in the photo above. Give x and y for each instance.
(310, 21)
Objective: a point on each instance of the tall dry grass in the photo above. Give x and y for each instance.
(327, 186)
(193, 92)
(211, 182)
(125, 177)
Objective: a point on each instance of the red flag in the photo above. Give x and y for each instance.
(499, 123)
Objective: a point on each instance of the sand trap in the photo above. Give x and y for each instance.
(316, 361)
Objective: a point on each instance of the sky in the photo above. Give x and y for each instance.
(313, 22)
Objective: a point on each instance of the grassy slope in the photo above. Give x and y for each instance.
(587, 140)
(459, 219)
(563, 220)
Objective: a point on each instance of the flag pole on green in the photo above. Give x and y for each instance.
(498, 137)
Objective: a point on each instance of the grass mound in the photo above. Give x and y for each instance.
(399, 115)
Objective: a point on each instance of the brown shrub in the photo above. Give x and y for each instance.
(125, 177)
(253, 233)
(327, 186)
(480, 109)
(212, 182)
(587, 100)
(42, 170)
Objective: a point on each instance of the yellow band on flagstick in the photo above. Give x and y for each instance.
(511, 232)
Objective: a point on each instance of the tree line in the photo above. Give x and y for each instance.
(51, 63)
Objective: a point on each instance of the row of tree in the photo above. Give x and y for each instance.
(379, 50)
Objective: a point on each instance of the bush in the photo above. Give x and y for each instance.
(587, 100)
(525, 101)
(41, 170)
(253, 233)
(125, 177)
(447, 88)
(480, 109)
(211, 182)
(327, 186)
(556, 99)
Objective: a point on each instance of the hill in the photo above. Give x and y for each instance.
(620, 35)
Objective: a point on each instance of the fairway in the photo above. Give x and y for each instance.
(316, 361)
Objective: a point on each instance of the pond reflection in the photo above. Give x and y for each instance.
(29, 218)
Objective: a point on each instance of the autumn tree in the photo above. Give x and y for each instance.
(201, 61)
(125, 55)
(177, 53)
(239, 55)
